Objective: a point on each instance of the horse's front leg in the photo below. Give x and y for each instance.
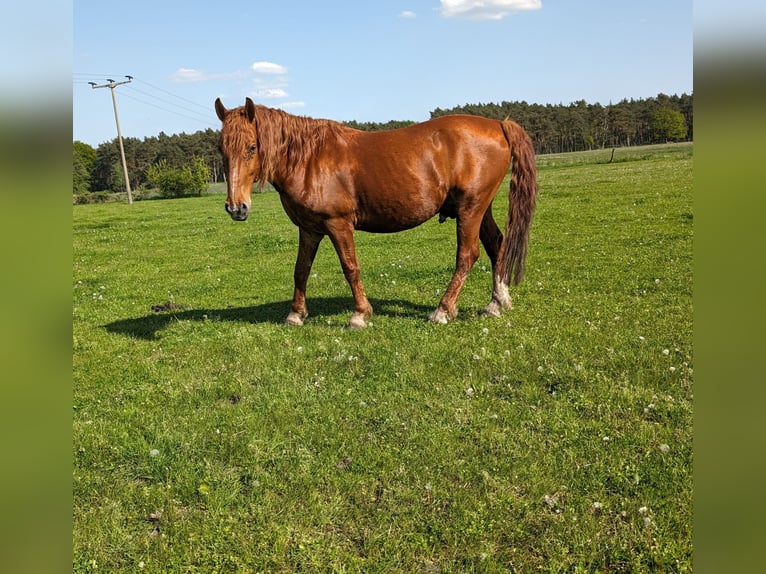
(308, 243)
(342, 236)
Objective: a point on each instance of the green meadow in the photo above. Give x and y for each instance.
(209, 437)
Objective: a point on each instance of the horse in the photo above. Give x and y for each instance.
(333, 180)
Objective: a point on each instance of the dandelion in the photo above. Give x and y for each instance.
(666, 352)
(428, 486)
(672, 369)
(154, 453)
(299, 349)
(664, 448)
(540, 369)
(643, 510)
(485, 330)
(647, 521)
(469, 392)
(641, 338)
(597, 507)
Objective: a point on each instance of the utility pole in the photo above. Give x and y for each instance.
(112, 85)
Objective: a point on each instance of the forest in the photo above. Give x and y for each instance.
(554, 129)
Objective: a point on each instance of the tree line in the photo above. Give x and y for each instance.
(554, 129)
(581, 126)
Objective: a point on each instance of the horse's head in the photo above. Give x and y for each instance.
(239, 147)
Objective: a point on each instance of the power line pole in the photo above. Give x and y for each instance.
(112, 85)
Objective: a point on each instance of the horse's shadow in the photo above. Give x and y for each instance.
(148, 326)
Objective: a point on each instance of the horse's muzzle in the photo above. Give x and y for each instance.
(239, 212)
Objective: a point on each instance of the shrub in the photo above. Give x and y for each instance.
(179, 181)
(94, 197)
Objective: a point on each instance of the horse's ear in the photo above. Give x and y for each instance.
(249, 109)
(220, 110)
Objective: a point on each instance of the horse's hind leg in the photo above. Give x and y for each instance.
(492, 239)
(308, 244)
(467, 254)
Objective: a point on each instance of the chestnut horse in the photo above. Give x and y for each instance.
(333, 180)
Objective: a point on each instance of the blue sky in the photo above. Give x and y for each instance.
(366, 61)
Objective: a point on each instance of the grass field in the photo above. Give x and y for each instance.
(208, 437)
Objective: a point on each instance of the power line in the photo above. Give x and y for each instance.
(164, 109)
(112, 85)
(199, 115)
(156, 100)
(206, 108)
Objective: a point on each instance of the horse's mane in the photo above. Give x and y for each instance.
(282, 136)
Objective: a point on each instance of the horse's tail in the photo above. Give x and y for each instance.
(523, 194)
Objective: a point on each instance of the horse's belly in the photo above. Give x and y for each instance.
(395, 216)
(388, 225)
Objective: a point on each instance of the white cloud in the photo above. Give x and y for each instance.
(486, 9)
(268, 68)
(270, 81)
(188, 75)
(270, 93)
(265, 80)
(182, 75)
(407, 14)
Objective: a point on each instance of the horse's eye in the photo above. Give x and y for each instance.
(251, 150)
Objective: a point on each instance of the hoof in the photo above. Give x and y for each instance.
(501, 300)
(294, 320)
(494, 309)
(357, 322)
(491, 310)
(441, 317)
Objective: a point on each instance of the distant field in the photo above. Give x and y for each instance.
(208, 437)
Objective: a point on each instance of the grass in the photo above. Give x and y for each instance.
(208, 437)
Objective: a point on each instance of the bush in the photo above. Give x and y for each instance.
(179, 182)
(94, 197)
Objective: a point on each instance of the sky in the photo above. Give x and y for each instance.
(366, 61)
